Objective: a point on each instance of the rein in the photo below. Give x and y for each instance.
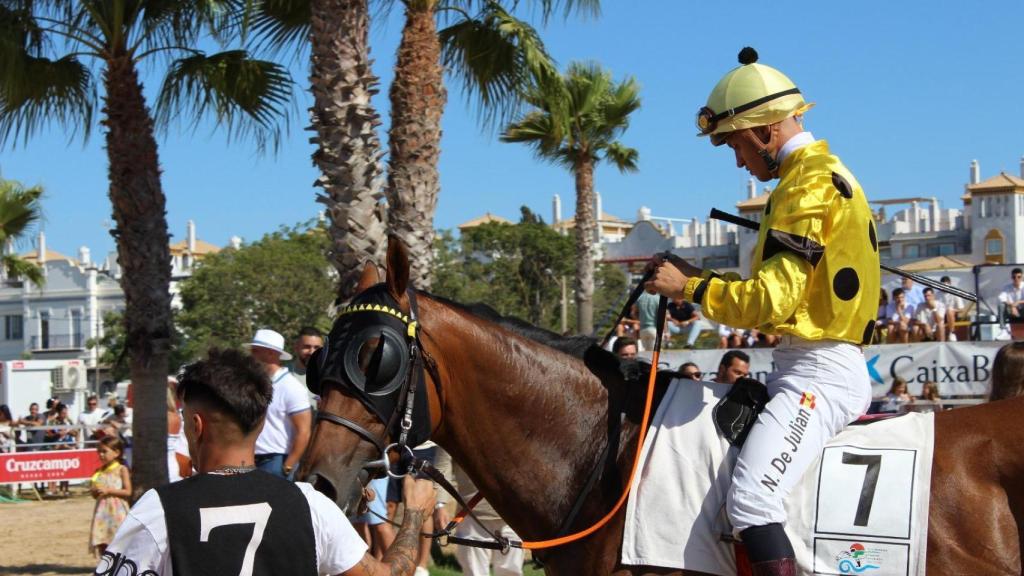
(425, 468)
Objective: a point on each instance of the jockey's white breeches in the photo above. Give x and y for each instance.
(818, 387)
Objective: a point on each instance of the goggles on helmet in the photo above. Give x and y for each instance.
(708, 119)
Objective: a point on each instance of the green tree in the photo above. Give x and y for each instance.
(113, 352)
(44, 47)
(577, 127)
(19, 210)
(280, 282)
(526, 261)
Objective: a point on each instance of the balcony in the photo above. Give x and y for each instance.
(58, 342)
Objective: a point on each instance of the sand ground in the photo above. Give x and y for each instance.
(46, 538)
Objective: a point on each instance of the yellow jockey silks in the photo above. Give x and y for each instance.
(815, 270)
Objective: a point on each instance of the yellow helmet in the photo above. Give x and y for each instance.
(749, 95)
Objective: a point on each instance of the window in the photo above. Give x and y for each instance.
(994, 247)
(911, 250)
(76, 328)
(44, 329)
(940, 249)
(13, 327)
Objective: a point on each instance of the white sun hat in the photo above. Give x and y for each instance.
(271, 340)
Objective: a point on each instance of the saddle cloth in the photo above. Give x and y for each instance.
(862, 507)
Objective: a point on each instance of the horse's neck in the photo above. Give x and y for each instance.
(526, 422)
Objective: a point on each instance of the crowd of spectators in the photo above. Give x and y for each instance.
(684, 325)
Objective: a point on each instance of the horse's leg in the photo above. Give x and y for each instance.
(971, 526)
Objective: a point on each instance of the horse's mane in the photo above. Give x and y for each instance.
(575, 346)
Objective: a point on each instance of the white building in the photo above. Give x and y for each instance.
(57, 320)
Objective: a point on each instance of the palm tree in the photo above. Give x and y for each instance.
(577, 128)
(497, 57)
(494, 54)
(19, 209)
(43, 78)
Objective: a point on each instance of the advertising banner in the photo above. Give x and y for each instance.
(959, 368)
(48, 466)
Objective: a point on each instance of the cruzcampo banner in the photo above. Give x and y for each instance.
(959, 368)
(48, 465)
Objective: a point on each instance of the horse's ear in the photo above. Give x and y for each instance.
(398, 268)
(370, 277)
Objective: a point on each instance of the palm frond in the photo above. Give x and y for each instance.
(37, 91)
(19, 209)
(623, 157)
(246, 95)
(15, 267)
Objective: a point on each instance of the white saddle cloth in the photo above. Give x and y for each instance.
(862, 508)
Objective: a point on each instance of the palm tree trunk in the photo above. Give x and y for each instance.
(142, 249)
(418, 97)
(585, 225)
(348, 150)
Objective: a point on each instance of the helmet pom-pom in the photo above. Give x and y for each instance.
(748, 55)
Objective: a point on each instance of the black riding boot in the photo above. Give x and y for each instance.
(782, 567)
(769, 550)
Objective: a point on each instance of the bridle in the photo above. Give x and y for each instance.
(407, 387)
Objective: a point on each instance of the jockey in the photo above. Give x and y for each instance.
(814, 281)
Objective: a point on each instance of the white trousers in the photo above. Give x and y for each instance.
(818, 387)
(478, 561)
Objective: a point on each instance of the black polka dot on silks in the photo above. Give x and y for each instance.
(768, 207)
(842, 185)
(869, 333)
(846, 284)
(872, 236)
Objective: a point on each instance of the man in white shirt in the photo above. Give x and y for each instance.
(913, 292)
(90, 417)
(956, 309)
(1012, 297)
(310, 340)
(289, 418)
(234, 519)
(900, 316)
(930, 319)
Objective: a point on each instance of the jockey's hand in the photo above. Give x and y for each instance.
(668, 280)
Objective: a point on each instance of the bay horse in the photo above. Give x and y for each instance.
(528, 415)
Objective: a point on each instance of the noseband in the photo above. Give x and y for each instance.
(405, 366)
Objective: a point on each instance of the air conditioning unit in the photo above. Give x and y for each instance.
(69, 377)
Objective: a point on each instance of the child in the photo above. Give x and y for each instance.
(111, 487)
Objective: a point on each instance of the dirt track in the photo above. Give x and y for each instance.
(46, 538)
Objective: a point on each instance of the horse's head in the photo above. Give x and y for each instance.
(368, 377)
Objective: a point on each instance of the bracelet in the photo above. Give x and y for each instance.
(439, 505)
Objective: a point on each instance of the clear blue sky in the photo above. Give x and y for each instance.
(907, 93)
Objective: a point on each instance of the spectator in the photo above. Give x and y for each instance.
(897, 397)
(111, 486)
(6, 429)
(90, 418)
(929, 400)
(882, 320)
(289, 420)
(684, 320)
(480, 561)
(956, 309)
(373, 524)
(179, 465)
(733, 366)
(62, 436)
(930, 319)
(34, 420)
(225, 401)
(646, 312)
(310, 340)
(625, 348)
(1008, 372)
(729, 337)
(117, 423)
(901, 317)
(690, 370)
(913, 292)
(1012, 297)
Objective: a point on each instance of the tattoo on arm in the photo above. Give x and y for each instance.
(401, 555)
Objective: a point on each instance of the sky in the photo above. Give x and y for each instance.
(907, 94)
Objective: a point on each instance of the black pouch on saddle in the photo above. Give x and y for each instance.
(737, 412)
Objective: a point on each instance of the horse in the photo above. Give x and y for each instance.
(535, 419)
